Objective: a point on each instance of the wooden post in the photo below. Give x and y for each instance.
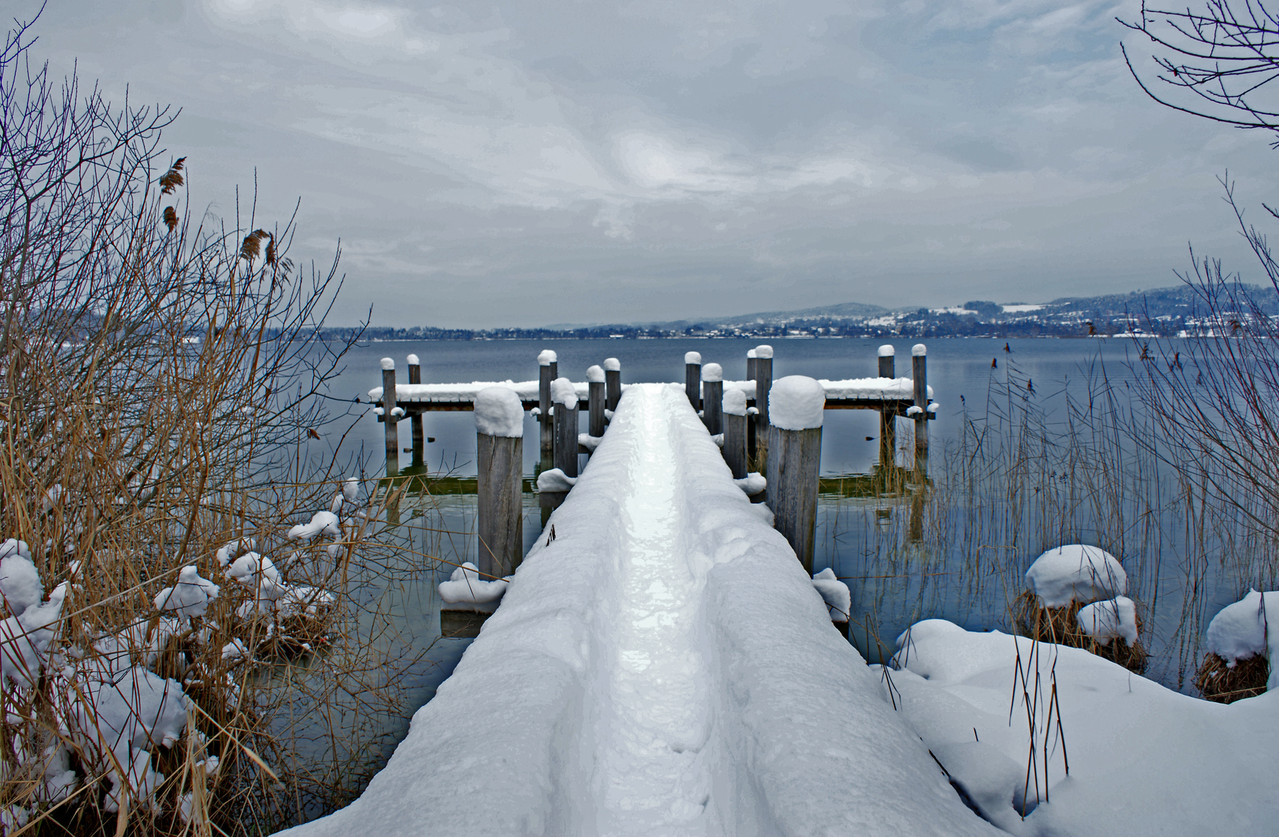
(596, 399)
(887, 417)
(794, 453)
(763, 383)
(734, 416)
(919, 371)
(548, 368)
(419, 436)
(752, 373)
(499, 422)
(713, 397)
(693, 379)
(389, 418)
(613, 382)
(564, 398)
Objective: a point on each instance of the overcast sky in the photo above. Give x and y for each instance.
(524, 163)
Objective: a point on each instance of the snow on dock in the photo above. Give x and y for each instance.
(661, 664)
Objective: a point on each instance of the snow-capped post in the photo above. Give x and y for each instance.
(752, 372)
(389, 418)
(887, 417)
(499, 425)
(734, 415)
(919, 371)
(596, 396)
(564, 396)
(763, 384)
(712, 397)
(419, 437)
(693, 378)
(613, 382)
(795, 405)
(548, 370)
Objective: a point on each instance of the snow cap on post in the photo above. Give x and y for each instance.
(563, 392)
(750, 354)
(796, 402)
(734, 402)
(498, 412)
(413, 361)
(612, 364)
(692, 357)
(887, 350)
(712, 372)
(765, 352)
(595, 374)
(388, 363)
(918, 350)
(546, 357)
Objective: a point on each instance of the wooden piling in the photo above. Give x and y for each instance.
(752, 373)
(389, 418)
(763, 384)
(613, 382)
(919, 371)
(735, 421)
(565, 425)
(887, 416)
(596, 399)
(500, 480)
(713, 397)
(419, 435)
(548, 371)
(794, 455)
(693, 378)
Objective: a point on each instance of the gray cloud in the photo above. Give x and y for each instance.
(512, 163)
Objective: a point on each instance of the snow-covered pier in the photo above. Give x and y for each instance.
(660, 664)
(892, 396)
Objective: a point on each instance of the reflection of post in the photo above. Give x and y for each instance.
(499, 424)
(564, 396)
(919, 371)
(763, 383)
(547, 371)
(595, 394)
(389, 418)
(713, 398)
(887, 415)
(613, 382)
(796, 406)
(419, 437)
(734, 417)
(693, 378)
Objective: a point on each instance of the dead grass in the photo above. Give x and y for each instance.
(1059, 625)
(1222, 683)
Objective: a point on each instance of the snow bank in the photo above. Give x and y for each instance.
(663, 665)
(1143, 759)
(838, 598)
(796, 403)
(1242, 630)
(499, 412)
(1076, 573)
(1109, 620)
(465, 587)
(20, 583)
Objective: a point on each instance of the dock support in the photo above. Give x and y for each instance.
(565, 425)
(794, 454)
(613, 382)
(419, 436)
(500, 482)
(389, 418)
(712, 397)
(548, 370)
(693, 379)
(735, 421)
(887, 416)
(919, 371)
(752, 374)
(596, 399)
(763, 384)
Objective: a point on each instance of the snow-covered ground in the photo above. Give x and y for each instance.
(660, 664)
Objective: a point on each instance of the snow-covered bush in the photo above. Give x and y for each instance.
(1241, 649)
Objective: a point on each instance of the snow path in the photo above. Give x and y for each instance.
(660, 665)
